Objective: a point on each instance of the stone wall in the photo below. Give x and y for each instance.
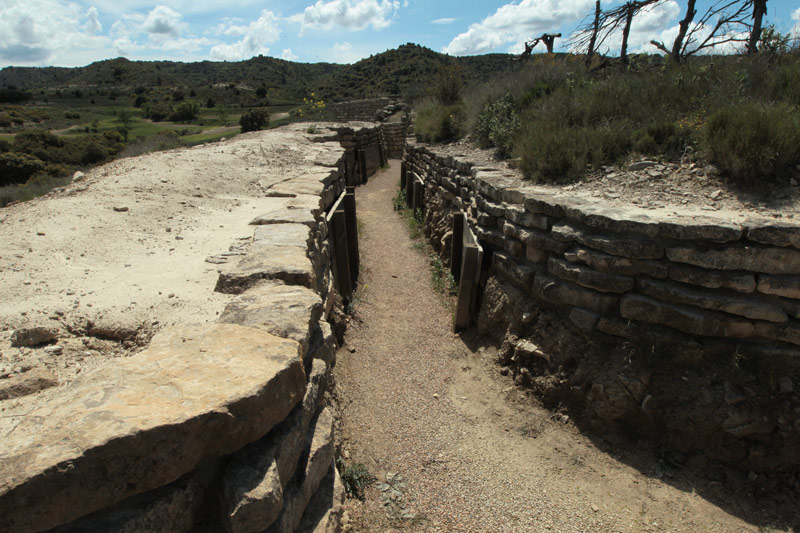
(218, 426)
(697, 291)
(364, 110)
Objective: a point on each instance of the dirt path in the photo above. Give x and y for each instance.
(472, 452)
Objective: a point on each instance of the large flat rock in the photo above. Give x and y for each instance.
(135, 424)
(287, 311)
(265, 261)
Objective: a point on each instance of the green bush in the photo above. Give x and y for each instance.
(16, 167)
(186, 111)
(436, 122)
(254, 119)
(754, 143)
(157, 111)
(497, 125)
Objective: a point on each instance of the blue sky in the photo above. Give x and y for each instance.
(78, 32)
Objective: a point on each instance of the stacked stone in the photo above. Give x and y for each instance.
(219, 426)
(354, 138)
(394, 135)
(702, 284)
(362, 110)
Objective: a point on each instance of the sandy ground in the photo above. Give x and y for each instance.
(456, 447)
(135, 245)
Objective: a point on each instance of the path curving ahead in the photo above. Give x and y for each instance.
(472, 452)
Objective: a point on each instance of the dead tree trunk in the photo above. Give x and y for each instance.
(623, 52)
(595, 31)
(677, 46)
(759, 10)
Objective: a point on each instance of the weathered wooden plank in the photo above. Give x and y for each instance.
(456, 254)
(338, 232)
(349, 204)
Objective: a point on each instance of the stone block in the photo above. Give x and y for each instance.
(700, 228)
(587, 277)
(713, 279)
(288, 311)
(544, 204)
(493, 209)
(552, 289)
(319, 443)
(536, 255)
(138, 423)
(774, 233)
(753, 258)
(786, 286)
(283, 235)
(613, 264)
(712, 300)
(491, 236)
(789, 332)
(585, 319)
(613, 219)
(324, 511)
(254, 483)
(619, 245)
(682, 318)
(290, 264)
(302, 209)
(542, 241)
(520, 275)
(522, 217)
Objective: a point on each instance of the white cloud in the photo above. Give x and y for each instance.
(344, 53)
(443, 21)
(514, 23)
(255, 37)
(350, 14)
(163, 20)
(288, 55)
(796, 29)
(93, 21)
(47, 32)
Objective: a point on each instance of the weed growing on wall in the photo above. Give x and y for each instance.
(355, 478)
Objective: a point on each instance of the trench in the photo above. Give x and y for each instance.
(454, 445)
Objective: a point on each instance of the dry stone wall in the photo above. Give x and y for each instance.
(219, 426)
(692, 289)
(392, 113)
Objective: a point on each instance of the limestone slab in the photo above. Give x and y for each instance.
(617, 265)
(524, 218)
(620, 245)
(283, 235)
(682, 318)
(554, 290)
(714, 279)
(301, 209)
(324, 511)
(701, 229)
(255, 481)
(138, 423)
(774, 233)
(786, 286)
(587, 277)
(319, 444)
(288, 311)
(290, 264)
(713, 300)
(755, 259)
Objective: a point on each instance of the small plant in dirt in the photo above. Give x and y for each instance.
(443, 280)
(393, 500)
(355, 478)
(399, 200)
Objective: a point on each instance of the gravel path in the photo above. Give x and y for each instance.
(472, 452)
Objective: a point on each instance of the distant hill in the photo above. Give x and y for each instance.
(407, 70)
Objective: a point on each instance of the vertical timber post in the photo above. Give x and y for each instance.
(349, 204)
(457, 246)
(403, 172)
(469, 279)
(418, 188)
(362, 163)
(339, 233)
(410, 179)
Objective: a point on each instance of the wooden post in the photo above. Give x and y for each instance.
(418, 188)
(410, 179)
(362, 162)
(339, 241)
(349, 204)
(458, 245)
(468, 280)
(403, 172)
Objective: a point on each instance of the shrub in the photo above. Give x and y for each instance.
(187, 111)
(17, 167)
(254, 119)
(497, 125)
(753, 143)
(437, 123)
(72, 114)
(157, 111)
(447, 85)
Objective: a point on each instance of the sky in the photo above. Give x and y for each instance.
(78, 32)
